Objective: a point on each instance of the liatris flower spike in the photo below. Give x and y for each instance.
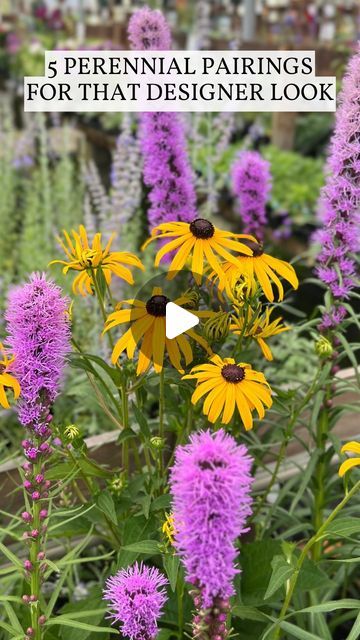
(7, 381)
(350, 447)
(39, 336)
(87, 259)
(228, 385)
(148, 30)
(340, 199)
(136, 597)
(210, 487)
(251, 183)
(167, 170)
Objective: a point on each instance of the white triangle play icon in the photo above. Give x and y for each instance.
(178, 320)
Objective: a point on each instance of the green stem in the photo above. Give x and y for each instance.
(161, 418)
(320, 479)
(125, 421)
(309, 545)
(35, 583)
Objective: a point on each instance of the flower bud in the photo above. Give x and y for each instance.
(34, 533)
(30, 631)
(27, 565)
(323, 347)
(41, 555)
(26, 516)
(25, 599)
(42, 620)
(27, 485)
(33, 598)
(217, 327)
(39, 479)
(157, 443)
(35, 495)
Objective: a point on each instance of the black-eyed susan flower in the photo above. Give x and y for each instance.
(259, 327)
(168, 528)
(350, 447)
(228, 385)
(87, 258)
(259, 267)
(200, 243)
(147, 321)
(7, 381)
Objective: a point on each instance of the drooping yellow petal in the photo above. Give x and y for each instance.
(351, 447)
(347, 465)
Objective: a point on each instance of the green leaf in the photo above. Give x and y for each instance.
(355, 630)
(141, 420)
(171, 564)
(75, 624)
(143, 546)
(343, 527)
(161, 503)
(282, 571)
(11, 557)
(249, 613)
(105, 503)
(256, 566)
(332, 605)
(298, 633)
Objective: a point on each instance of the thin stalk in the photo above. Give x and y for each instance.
(309, 545)
(35, 584)
(320, 478)
(161, 418)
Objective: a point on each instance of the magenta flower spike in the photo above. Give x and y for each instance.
(251, 183)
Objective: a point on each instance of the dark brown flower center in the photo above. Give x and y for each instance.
(233, 373)
(256, 248)
(156, 306)
(2, 368)
(201, 228)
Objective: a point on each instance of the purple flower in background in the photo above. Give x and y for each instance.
(339, 209)
(251, 183)
(136, 596)
(210, 486)
(148, 30)
(39, 337)
(12, 43)
(167, 171)
(125, 176)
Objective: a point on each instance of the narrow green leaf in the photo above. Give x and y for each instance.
(249, 613)
(143, 546)
(298, 633)
(282, 571)
(141, 420)
(171, 565)
(11, 556)
(355, 630)
(332, 605)
(343, 527)
(106, 504)
(71, 622)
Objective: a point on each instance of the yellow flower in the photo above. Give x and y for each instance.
(168, 528)
(229, 385)
(248, 324)
(87, 259)
(350, 447)
(72, 432)
(261, 268)
(201, 240)
(7, 381)
(148, 324)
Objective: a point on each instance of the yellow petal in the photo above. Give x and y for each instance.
(347, 465)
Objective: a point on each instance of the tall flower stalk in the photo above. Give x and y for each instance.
(251, 183)
(167, 170)
(339, 238)
(39, 337)
(210, 486)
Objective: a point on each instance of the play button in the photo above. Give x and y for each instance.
(178, 320)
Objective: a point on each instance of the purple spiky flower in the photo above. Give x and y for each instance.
(210, 487)
(149, 30)
(39, 337)
(136, 596)
(339, 209)
(251, 183)
(167, 171)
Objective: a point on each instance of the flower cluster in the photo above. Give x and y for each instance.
(251, 183)
(136, 596)
(39, 336)
(167, 170)
(340, 199)
(210, 486)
